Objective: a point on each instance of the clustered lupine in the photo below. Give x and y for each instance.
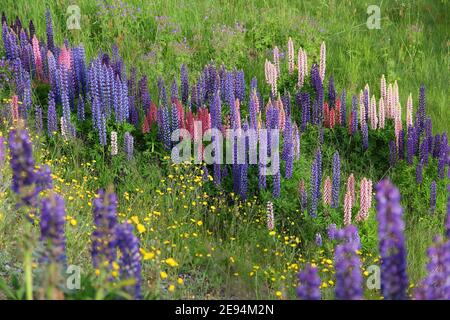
(309, 284)
(394, 280)
(52, 229)
(348, 265)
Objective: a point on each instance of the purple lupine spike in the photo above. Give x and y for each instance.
(365, 136)
(410, 146)
(286, 100)
(423, 152)
(309, 284)
(239, 80)
(343, 108)
(52, 119)
(394, 280)
(303, 197)
(174, 91)
(105, 220)
(336, 180)
(22, 163)
(38, 119)
(44, 179)
(162, 95)
(229, 90)
(331, 92)
(332, 231)
(305, 103)
(254, 84)
(392, 153)
(288, 148)
(49, 29)
(401, 145)
(253, 113)
(447, 223)
(419, 175)
(52, 229)
(420, 115)
(441, 167)
(96, 113)
(130, 258)
(174, 118)
(319, 241)
(314, 187)
(366, 101)
(165, 126)
(437, 146)
(436, 285)
(129, 145)
(216, 122)
(348, 265)
(433, 196)
(101, 126)
(80, 109)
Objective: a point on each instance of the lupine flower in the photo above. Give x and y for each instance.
(288, 148)
(129, 145)
(22, 165)
(49, 28)
(436, 286)
(38, 119)
(323, 61)
(80, 109)
(348, 266)
(433, 196)
(423, 152)
(365, 199)
(336, 180)
(365, 136)
(105, 220)
(331, 231)
(327, 191)
(441, 167)
(52, 229)
(420, 115)
(114, 148)
(348, 208)
(351, 187)
(130, 258)
(318, 239)
(303, 196)
(419, 176)
(184, 84)
(309, 284)
(394, 280)
(270, 216)
(2, 152)
(392, 153)
(447, 223)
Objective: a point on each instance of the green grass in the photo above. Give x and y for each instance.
(230, 254)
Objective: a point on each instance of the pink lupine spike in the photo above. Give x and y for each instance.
(381, 113)
(64, 57)
(383, 89)
(348, 209)
(351, 187)
(291, 54)
(37, 57)
(15, 108)
(409, 111)
(327, 187)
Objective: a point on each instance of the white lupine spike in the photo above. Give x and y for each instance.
(381, 113)
(114, 149)
(409, 111)
(276, 60)
(389, 102)
(300, 64)
(305, 64)
(323, 60)
(362, 109)
(348, 208)
(291, 54)
(395, 92)
(373, 113)
(383, 88)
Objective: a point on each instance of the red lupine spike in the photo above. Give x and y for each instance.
(331, 118)
(338, 112)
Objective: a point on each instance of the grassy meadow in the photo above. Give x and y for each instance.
(201, 241)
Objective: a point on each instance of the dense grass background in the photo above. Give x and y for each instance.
(222, 245)
(157, 36)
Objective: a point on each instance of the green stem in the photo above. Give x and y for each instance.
(28, 274)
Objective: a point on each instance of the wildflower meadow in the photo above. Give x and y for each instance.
(224, 150)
